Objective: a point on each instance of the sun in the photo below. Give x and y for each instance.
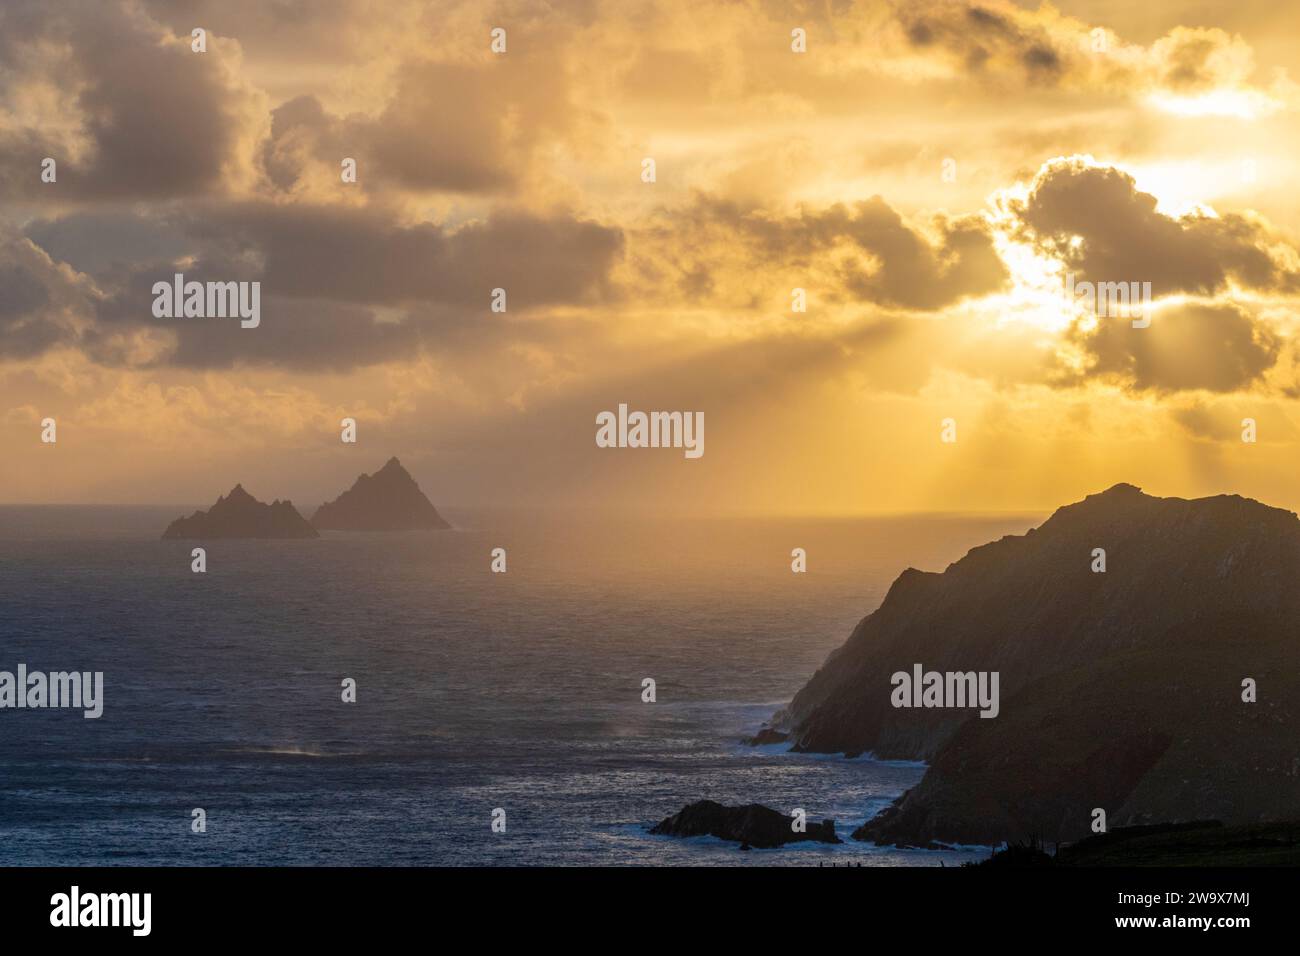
(1036, 296)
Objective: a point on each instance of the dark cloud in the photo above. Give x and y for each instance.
(23, 331)
(1096, 221)
(36, 301)
(347, 254)
(105, 243)
(1200, 422)
(915, 273)
(20, 294)
(340, 287)
(880, 259)
(303, 335)
(457, 127)
(1214, 347)
(358, 255)
(290, 31)
(1005, 45)
(155, 118)
(446, 128)
(1188, 63)
(151, 119)
(300, 129)
(444, 133)
(983, 40)
(1042, 61)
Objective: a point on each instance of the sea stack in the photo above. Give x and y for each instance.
(752, 825)
(240, 515)
(388, 500)
(1146, 649)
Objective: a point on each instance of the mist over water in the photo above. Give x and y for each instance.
(474, 690)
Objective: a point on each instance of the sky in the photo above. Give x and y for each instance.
(929, 173)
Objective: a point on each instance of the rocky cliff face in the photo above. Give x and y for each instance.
(1120, 690)
(240, 515)
(388, 500)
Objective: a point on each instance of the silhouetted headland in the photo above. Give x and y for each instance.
(1121, 690)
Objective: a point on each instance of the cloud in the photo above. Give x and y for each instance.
(140, 115)
(983, 40)
(362, 255)
(347, 286)
(41, 303)
(1196, 60)
(341, 287)
(448, 122)
(1001, 44)
(858, 253)
(445, 128)
(22, 332)
(1201, 422)
(1094, 220)
(1211, 347)
(109, 242)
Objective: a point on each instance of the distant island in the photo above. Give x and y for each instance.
(240, 515)
(388, 500)
(1123, 689)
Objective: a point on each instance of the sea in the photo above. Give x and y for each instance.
(479, 696)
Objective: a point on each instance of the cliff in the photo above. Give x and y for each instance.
(1120, 690)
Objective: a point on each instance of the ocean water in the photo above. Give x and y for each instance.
(474, 690)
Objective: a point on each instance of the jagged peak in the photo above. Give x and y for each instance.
(239, 515)
(1119, 493)
(388, 499)
(1119, 488)
(1127, 495)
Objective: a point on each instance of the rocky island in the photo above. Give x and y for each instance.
(1147, 655)
(752, 825)
(240, 515)
(388, 500)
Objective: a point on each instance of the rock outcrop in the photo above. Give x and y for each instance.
(752, 825)
(240, 515)
(1120, 690)
(388, 500)
(766, 736)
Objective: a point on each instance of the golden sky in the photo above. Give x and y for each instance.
(929, 172)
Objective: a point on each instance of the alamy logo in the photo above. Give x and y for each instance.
(651, 430)
(36, 690)
(950, 689)
(179, 299)
(1115, 300)
(103, 909)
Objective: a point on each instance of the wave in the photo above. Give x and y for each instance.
(276, 750)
